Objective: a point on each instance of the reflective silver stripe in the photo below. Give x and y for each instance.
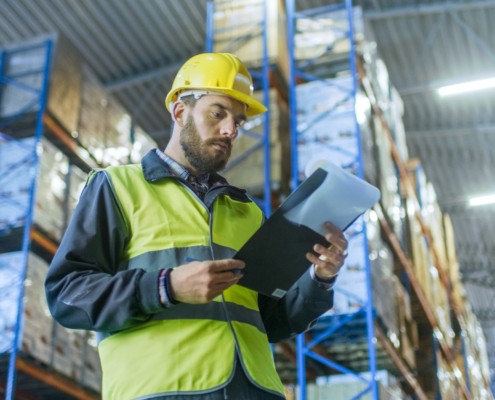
(169, 258)
(222, 252)
(177, 256)
(214, 311)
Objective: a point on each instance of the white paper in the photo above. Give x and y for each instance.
(340, 199)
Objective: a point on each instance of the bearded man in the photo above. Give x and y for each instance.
(147, 259)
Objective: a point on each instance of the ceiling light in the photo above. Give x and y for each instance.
(478, 201)
(467, 87)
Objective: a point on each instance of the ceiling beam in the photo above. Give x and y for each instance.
(451, 132)
(427, 9)
(141, 78)
(485, 315)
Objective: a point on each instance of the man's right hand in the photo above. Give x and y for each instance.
(200, 282)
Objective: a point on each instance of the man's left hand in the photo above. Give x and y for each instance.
(332, 259)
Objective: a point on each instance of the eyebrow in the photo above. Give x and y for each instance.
(240, 116)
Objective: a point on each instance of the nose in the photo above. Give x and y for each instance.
(229, 128)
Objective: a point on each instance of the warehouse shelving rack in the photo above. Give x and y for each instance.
(411, 195)
(261, 81)
(39, 100)
(366, 312)
(34, 378)
(375, 335)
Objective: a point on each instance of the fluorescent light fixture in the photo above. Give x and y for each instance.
(479, 201)
(467, 87)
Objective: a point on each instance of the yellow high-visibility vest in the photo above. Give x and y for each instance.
(187, 348)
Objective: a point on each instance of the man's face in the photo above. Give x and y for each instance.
(209, 132)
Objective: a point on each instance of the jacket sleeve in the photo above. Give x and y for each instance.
(85, 288)
(297, 311)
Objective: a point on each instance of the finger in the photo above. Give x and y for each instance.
(334, 230)
(226, 276)
(330, 253)
(328, 266)
(339, 245)
(225, 265)
(221, 287)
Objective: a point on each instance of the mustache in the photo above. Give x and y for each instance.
(224, 141)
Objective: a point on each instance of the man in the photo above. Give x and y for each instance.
(147, 259)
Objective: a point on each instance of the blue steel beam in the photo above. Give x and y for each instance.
(9, 392)
(266, 115)
(334, 365)
(332, 329)
(210, 10)
(20, 85)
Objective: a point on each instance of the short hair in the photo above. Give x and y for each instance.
(188, 101)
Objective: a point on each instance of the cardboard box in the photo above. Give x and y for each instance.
(65, 80)
(239, 32)
(250, 172)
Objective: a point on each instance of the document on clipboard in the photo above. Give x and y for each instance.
(275, 255)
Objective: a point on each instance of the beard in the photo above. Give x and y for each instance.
(201, 154)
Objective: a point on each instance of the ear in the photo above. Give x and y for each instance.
(179, 113)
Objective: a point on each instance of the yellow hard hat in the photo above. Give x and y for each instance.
(216, 73)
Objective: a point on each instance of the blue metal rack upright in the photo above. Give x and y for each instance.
(261, 81)
(366, 310)
(38, 102)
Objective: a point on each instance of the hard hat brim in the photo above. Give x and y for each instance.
(254, 106)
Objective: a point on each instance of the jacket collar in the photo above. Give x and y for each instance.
(154, 169)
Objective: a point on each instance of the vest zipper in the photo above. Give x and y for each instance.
(237, 347)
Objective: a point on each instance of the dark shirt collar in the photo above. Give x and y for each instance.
(179, 169)
(154, 169)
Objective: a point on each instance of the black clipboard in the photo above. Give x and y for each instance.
(275, 256)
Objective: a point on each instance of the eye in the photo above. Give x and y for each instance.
(217, 115)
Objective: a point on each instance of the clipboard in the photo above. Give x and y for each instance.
(275, 256)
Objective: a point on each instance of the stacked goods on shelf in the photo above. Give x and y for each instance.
(422, 257)
(102, 129)
(344, 387)
(458, 291)
(63, 94)
(236, 21)
(477, 357)
(97, 121)
(77, 181)
(250, 172)
(381, 268)
(15, 162)
(49, 212)
(409, 340)
(326, 38)
(446, 379)
(104, 125)
(10, 284)
(387, 180)
(66, 351)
